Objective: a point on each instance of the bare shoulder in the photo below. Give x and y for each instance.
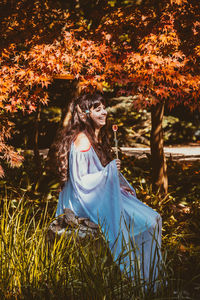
(82, 142)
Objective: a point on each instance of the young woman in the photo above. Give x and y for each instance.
(94, 188)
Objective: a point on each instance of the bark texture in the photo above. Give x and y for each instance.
(159, 166)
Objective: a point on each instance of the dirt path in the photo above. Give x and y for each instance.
(177, 153)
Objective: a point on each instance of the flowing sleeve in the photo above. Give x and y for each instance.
(85, 176)
(96, 189)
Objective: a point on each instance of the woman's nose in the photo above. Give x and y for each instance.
(104, 112)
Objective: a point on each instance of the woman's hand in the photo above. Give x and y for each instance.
(129, 190)
(118, 163)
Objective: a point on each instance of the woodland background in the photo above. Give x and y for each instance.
(144, 56)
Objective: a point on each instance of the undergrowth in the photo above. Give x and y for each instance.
(32, 268)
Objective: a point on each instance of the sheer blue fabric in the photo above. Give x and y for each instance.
(98, 193)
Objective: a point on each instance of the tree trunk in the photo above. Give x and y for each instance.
(73, 92)
(159, 166)
(36, 137)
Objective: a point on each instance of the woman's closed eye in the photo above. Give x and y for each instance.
(100, 109)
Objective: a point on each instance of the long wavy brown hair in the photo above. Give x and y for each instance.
(79, 121)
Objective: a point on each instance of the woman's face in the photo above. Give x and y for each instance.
(98, 115)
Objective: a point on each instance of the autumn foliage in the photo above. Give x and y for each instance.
(151, 52)
(160, 54)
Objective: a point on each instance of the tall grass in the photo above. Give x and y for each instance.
(32, 267)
